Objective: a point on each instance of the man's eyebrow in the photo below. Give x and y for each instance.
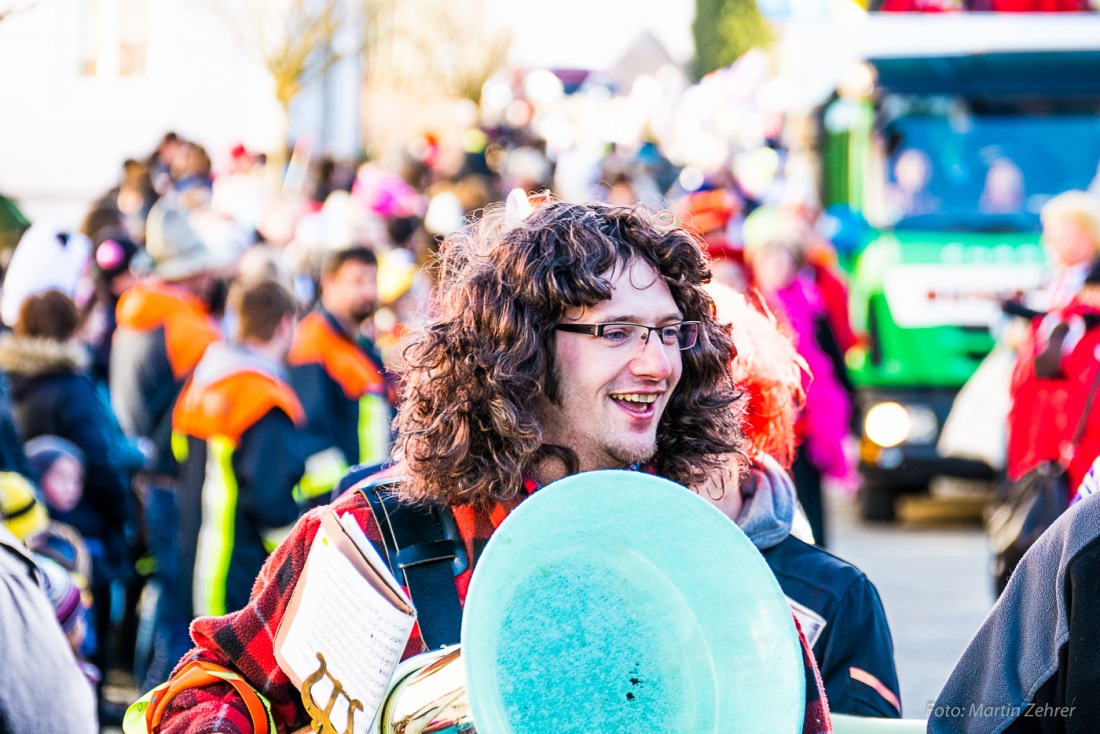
(635, 319)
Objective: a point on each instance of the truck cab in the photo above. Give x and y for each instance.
(959, 132)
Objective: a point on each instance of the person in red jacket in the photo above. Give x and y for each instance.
(1054, 389)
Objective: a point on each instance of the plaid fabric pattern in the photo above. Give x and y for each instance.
(816, 719)
(244, 640)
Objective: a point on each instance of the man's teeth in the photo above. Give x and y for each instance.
(635, 397)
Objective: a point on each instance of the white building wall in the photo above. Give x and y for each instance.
(64, 135)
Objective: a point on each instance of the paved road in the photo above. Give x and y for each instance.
(931, 570)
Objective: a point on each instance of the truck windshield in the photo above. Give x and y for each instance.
(971, 172)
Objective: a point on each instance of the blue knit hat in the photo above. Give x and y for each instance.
(43, 451)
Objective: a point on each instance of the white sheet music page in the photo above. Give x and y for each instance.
(359, 632)
(367, 549)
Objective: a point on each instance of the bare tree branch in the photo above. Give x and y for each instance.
(435, 46)
(9, 9)
(293, 39)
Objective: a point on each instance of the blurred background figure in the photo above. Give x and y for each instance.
(131, 199)
(908, 196)
(1071, 238)
(339, 376)
(837, 606)
(236, 434)
(55, 400)
(45, 258)
(161, 161)
(113, 255)
(1053, 389)
(164, 327)
(1004, 191)
(59, 466)
(776, 258)
(1055, 362)
(715, 214)
(64, 556)
(47, 686)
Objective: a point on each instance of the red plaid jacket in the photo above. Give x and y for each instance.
(243, 641)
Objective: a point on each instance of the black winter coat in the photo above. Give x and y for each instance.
(52, 394)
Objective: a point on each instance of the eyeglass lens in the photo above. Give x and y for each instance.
(678, 335)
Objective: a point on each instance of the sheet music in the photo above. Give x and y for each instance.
(367, 549)
(360, 633)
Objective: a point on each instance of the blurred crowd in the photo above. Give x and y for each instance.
(193, 298)
(206, 356)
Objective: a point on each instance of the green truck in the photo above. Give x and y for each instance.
(947, 138)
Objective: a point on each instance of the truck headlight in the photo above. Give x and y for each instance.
(923, 424)
(890, 424)
(886, 424)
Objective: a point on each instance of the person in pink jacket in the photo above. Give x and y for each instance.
(779, 272)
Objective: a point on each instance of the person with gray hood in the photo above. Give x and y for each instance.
(40, 669)
(836, 605)
(1034, 664)
(236, 435)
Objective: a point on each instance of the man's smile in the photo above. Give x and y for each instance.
(637, 404)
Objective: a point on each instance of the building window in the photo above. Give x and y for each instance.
(133, 36)
(89, 38)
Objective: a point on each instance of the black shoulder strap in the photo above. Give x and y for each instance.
(425, 550)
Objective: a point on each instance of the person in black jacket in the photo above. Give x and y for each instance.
(338, 375)
(837, 606)
(52, 394)
(12, 457)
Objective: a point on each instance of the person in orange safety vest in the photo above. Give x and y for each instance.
(338, 375)
(164, 327)
(235, 434)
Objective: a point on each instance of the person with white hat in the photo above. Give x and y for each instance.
(46, 258)
(164, 327)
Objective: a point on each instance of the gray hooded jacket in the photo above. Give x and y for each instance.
(44, 690)
(1034, 664)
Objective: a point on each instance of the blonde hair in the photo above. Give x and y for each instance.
(1079, 206)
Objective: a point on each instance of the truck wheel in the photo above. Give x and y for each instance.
(876, 503)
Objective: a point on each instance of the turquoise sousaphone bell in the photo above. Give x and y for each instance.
(615, 601)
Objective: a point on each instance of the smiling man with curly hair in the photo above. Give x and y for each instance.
(570, 339)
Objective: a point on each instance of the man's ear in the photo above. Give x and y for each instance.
(287, 324)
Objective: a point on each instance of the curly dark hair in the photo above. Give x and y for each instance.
(473, 374)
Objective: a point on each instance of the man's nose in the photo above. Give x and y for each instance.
(652, 359)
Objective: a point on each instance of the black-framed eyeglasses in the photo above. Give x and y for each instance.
(681, 335)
